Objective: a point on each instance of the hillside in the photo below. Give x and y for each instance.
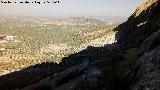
(142, 31)
(26, 41)
(129, 60)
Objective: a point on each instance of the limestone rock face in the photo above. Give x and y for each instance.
(143, 7)
(142, 31)
(140, 25)
(151, 42)
(109, 38)
(131, 63)
(148, 72)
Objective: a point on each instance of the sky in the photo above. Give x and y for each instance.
(122, 8)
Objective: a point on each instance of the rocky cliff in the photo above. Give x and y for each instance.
(131, 63)
(142, 31)
(140, 25)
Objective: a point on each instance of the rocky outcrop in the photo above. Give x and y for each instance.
(148, 71)
(70, 78)
(151, 42)
(143, 7)
(101, 41)
(133, 63)
(142, 31)
(140, 25)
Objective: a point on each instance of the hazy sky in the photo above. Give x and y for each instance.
(73, 8)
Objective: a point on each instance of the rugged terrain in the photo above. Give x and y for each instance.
(131, 62)
(26, 41)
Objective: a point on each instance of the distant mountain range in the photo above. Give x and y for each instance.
(66, 20)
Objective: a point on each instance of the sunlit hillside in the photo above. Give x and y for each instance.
(26, 41)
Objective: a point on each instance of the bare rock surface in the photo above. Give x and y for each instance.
(131, 63)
